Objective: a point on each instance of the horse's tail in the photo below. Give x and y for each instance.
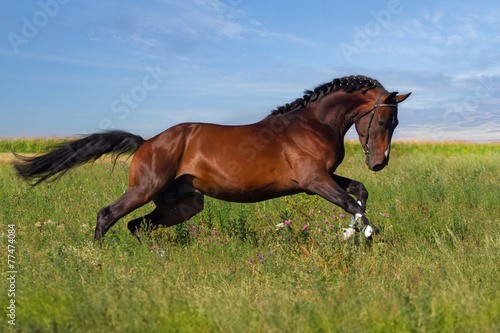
(72, 153)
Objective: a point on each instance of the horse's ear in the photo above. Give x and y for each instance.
(395, 98)
(401, 98)
(391, 98)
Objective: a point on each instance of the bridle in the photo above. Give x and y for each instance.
(366, 147)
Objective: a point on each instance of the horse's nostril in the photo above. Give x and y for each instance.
(378, 167)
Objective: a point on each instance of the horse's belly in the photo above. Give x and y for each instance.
(250, 194)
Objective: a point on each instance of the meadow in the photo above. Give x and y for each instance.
(231, 268)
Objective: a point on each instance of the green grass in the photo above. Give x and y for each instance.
(437, 270)
(25, 145)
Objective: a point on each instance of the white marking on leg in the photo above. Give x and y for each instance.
(359, 203)
(368, 231)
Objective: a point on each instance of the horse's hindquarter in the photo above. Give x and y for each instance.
(237, 163)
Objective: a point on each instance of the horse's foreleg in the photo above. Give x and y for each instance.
(353, 187)
(168, 214)
(324, 185)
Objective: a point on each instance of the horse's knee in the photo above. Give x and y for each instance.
(360, 191)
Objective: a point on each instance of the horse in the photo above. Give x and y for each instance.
(295, 149)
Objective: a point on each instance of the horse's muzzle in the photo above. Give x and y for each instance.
(378, 167)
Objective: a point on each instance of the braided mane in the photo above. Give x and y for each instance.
(348, 84)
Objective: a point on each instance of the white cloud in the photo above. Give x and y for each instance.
(283, 36)
(197, 17)
(144, 41)
(434, 17)
(203, 22)
(444, 132)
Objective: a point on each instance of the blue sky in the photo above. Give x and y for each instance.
(74, 67)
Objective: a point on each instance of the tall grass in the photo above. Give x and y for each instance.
(231, 269)
(27, 145)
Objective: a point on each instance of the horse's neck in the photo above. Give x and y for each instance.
(335, 112)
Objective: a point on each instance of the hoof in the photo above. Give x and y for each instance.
(136, 235)
(348, 233)
(97, 236)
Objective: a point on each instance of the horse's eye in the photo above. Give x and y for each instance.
(381, 123)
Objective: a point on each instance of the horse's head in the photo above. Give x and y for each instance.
(375, 124)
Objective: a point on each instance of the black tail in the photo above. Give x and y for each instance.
(70, 154)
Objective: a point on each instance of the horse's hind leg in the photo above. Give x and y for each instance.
(168, 214)
(132, 199)
(150, 172)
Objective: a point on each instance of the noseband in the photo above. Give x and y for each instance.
(366, 147)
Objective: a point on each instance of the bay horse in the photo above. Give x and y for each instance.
(295, 149)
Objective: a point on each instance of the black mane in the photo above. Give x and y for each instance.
(348, 84)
